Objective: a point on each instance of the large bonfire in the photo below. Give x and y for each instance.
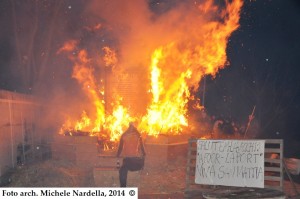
(193, 45)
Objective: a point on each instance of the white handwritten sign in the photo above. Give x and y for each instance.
(230, 163)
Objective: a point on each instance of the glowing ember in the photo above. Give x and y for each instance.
(175, 68)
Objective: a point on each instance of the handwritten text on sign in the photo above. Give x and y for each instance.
(230, 162)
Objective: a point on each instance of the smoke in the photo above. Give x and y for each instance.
(139, 30)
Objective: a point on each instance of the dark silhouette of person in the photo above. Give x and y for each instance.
(131, 148)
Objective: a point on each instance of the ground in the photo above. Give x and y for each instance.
(57, 173)
(167, 182)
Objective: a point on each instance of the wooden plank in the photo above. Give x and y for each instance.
(277, 169)
(273, 141)
(273, 178)
(273, 150)
(270, 160)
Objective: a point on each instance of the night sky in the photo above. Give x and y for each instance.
(263, 72)
(263, 55)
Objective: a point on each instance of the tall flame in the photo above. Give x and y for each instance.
(83, 73)
(167, 111)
